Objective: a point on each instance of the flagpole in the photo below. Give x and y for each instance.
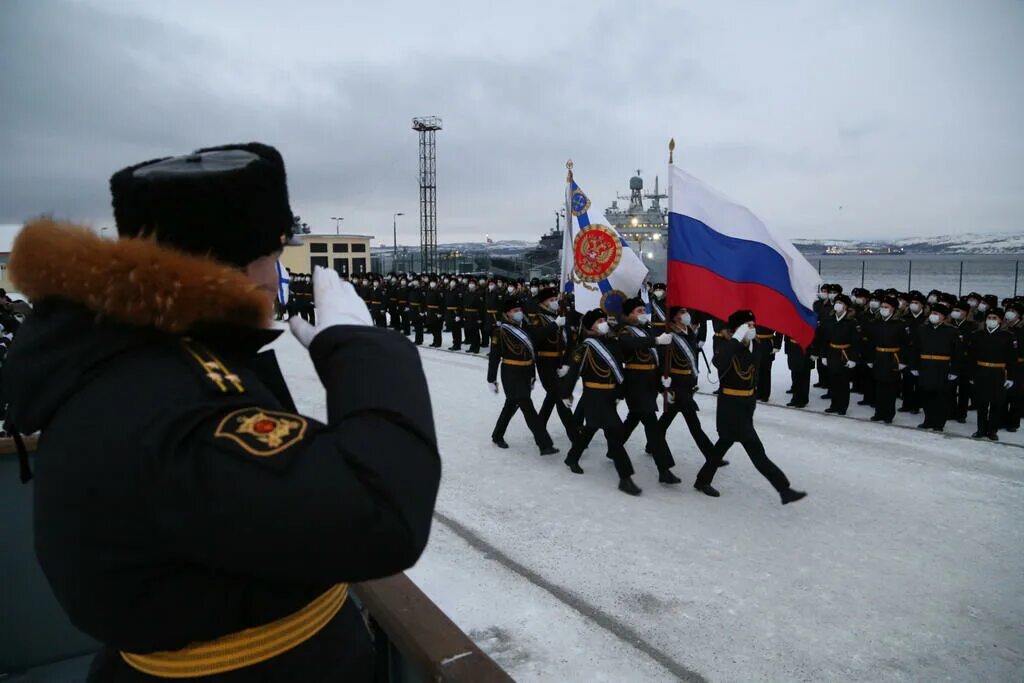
(666, 365)
(567, 239)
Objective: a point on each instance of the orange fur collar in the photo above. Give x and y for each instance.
(135, 281)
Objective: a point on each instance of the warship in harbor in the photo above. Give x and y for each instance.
(644, 227)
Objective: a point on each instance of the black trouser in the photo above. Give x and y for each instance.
(553, 402)
(379, 318)
(960, 398)
(989, 413)
(755, 450)
(689, 413)
(801, 385)
(485, 334)
(434, 326)
(406, 315)
(656, 444)
(540, 435)
(885, 399)
(839, 386)
(868, 387)
(616, 449)
(822, 375)
(473, 334)
(456, 330)
(911, 401)
(1014, 407)
(308, 313)
(417, 326)
(764, 377)
(936, 404)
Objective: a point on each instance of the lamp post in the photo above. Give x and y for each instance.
(337, 224)
(394, 238)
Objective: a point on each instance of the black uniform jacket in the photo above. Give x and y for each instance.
(178, 495)
(552, 344)
(516, 359)
(888, 347)
(642, 363)
(737, 376)
(937, 353)
(992, 359)
(839, 340)
(601, 387)
(681, 371)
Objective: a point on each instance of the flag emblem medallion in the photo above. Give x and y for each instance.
(598, 251)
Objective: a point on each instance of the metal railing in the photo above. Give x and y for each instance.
(986, 274)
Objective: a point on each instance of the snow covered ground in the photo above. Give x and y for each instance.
(906, 561)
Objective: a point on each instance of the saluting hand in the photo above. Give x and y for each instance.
(336, 304)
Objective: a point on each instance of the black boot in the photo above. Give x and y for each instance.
(707, 490)
(626, 485)
(792, 495)
(548, 450)
(573, 464)
(499, 442)
(666, 477)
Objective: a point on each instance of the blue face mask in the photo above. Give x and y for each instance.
(517, 316)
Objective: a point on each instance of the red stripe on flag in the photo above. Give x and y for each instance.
(699, 288)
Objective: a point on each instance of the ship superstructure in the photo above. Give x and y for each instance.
(644, 227)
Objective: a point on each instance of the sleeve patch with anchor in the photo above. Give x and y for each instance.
(262, 432)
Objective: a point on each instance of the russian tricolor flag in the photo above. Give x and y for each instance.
(722, 258)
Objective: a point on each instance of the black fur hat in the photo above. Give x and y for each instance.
(510, 303)
(545, 294)
(228, 202)
(591, 317)
(940, 308)
(739, 318)
(630, 305)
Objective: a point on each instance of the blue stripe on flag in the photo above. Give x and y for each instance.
(582, 220)
(604, 286)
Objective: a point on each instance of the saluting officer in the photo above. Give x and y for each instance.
(513, 350)
(187, 516)
(643, 383)
(886, 353)
(936, 363)
(992, 359)
(598, 362)
(737, 375)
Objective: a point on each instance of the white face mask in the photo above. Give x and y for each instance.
(822, 295)
(934, 318)
(1011, 316)
(433, 285)
(511, 290)
(873, 304)
(490, 287)
(471, 286)
(886, 312)
(750, 333)
(839, 307)
(902, 303)
(517, 316)
(991, 323)
(832, 296)
(534, 290)
(551, 305)
(602, 328)
(915, 307)
(659, 294)
(932, 298)
(643, 318)
(686, 318)
(973, 303)
(859, 300)
(982, 306)
(956, 315)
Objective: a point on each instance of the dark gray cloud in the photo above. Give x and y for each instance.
(906, 116)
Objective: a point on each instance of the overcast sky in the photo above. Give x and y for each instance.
(906, 114)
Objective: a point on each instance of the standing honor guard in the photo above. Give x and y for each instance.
(453, 313)
(683, 371)
(800, 362)
(643, 383)
(596, 360)
(512, 349)
(936, 363)
(416, 309)
(992, 359)
(887, 340)
(768, 343)
(433, 300)
(472, 310)
(840, 339)
(737, 372)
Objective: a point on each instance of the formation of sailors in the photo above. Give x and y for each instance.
(936, 353)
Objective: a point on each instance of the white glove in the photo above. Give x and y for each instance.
(567, 402)
(457, 318)
(824, 362)
(951, 377)
(336, 304)
(562, 371)
(903, 366)
(915, 373)
(871, 365)
(493, 386)
(663, 338)
(740, 335)
(666, 382)
(533, 380)
(671, 398)
(1007, 384)
(850, 364)
(814, 359)
(560, 321)
(700, 344)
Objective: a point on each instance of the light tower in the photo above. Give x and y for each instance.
(427, 127)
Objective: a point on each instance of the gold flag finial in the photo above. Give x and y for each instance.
(671, 149)
(568, 168)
